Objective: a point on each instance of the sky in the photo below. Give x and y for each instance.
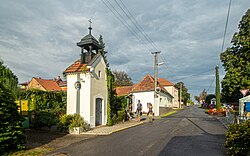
(38, 38)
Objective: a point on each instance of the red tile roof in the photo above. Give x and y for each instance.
(76, 67)
(125, 90)
(48, 85)
(165, 82)
(147, 84)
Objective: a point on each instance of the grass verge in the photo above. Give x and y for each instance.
(169, 113)
(39, 151)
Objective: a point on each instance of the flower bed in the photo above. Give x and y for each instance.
(218, 112)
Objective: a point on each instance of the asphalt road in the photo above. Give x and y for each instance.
(190, 132)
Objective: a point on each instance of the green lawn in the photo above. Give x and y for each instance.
(169, 113)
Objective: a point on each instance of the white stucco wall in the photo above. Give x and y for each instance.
(71, 93)
(92, 87)
(176, 98)
(144, 97)
(174, 92)
(163, 100)
(84, 94)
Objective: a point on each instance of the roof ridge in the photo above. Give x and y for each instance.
(151, 77)
(45, 82)
(39, 82)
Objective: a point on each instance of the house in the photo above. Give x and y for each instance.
(45, 84)
(244, 107)
(144, 91)
(24, 86)
(86, 83)
(61, 83)
(170, 87)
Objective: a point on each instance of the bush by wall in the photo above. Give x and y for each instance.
(70, 121)
(45, 118)
(42, 100)
(238, 139)
(121, 116)
(46, 107)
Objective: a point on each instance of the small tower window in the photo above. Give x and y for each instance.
(99, 74)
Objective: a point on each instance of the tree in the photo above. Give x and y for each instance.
(8, 79)
(197, 98)
(110, 85)
(209, 97)
(201, 97)
(12, 135)
(110, 102)
(217, 88)
(122, 79)
(185, 95)
(103, 52)
(236, 62)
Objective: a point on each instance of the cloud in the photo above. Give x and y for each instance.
(38, 38)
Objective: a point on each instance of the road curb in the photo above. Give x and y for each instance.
(127, 127)
(112, 131)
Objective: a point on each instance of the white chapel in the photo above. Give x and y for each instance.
(86, 83)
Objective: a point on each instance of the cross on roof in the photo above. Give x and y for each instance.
(90, 26)
(90, 23)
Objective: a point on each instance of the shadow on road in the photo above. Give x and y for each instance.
(205, 144)
(36, 138)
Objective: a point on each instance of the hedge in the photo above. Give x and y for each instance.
(238, 139)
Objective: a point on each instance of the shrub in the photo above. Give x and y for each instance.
(43, 100)
(121, 116)
(70, 121)
(45, 118)
(64, 123)
(114, 119)
(12, 136)
(238, 139)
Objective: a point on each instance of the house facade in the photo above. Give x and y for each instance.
(56, 84)
(144, 91)
(87, 84)
(42, 84)
(170, 87)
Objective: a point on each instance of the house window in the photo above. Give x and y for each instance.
(99, 74)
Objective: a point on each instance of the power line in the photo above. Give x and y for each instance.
(192, 75)
(137, 25)
(211, 84)
(122, 20)
(225, 30)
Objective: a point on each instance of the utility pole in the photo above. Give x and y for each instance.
(217, 87)
(180, 94)
(156, 107)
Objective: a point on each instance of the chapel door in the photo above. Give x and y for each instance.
(98, 112)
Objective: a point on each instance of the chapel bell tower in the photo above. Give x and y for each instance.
(89, 47)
